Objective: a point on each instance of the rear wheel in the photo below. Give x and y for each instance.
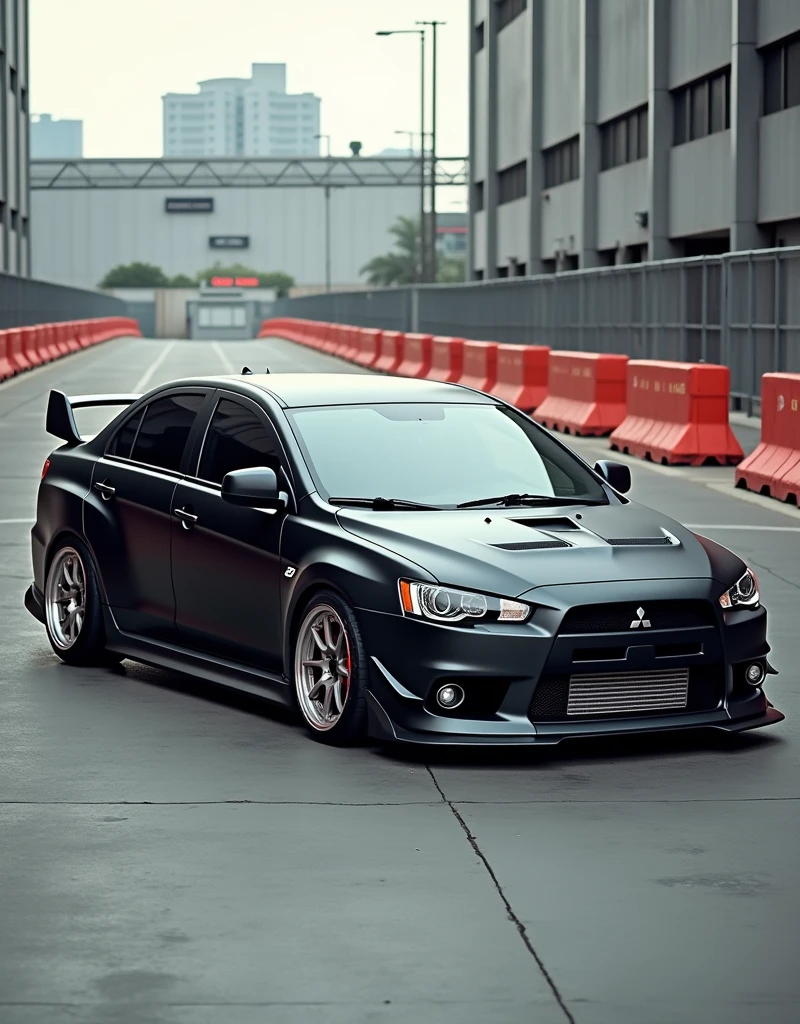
(330, 671)
(73, 612)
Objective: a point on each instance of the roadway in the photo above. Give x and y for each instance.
(170, 854)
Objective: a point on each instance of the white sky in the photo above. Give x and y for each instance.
(109, 62)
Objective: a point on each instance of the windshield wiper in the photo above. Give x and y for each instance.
(526, 499)
(383, 504)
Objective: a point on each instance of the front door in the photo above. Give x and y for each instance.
(226, 559)
(127, 514)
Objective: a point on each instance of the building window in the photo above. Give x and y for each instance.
(512, 183)
(782, 75)
(624, 139)
(477, 196)
(507, 10)
(702, 108)
(562, 163)
(479, 37)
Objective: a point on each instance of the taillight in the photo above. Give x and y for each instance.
(45, 468)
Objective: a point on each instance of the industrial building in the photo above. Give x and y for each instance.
(617, 131)
(242, 117)
(56, 138)
(80, 233)
(14, 189)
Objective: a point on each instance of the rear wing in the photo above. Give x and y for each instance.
(61, 419)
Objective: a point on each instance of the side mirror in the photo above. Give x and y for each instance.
(254, 488)
(616, 474)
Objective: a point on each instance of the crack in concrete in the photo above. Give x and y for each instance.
(512, 916)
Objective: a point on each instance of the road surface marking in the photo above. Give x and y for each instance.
(8, 522)
(227, 365)
(141, 384)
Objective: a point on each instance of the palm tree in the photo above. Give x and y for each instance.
(402, 265)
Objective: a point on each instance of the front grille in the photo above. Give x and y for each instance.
(622, 694)
(638, 542)
(614, 693)
(617, 618)
(532, 545)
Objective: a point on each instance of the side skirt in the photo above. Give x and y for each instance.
(201, 666)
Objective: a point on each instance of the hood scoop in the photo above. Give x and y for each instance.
(532, 545)
(551, 523)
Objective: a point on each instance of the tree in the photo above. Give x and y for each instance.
(181, 281)
(402, 265)
(135, 275)
(274, 279)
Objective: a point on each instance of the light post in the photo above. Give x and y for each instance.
(327, 140)
(434, 25)
(422, 232)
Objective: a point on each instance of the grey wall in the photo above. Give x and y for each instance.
(622, 57)
(700, 186)
(779, 150)
(80, 234)
(699, 37)
(24, 301)
(561, 86)
(513, 93)
(622, 193)
(777, 18)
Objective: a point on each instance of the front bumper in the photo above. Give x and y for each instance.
(410, 659)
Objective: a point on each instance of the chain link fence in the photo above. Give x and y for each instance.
(24, 301)
(741, 309)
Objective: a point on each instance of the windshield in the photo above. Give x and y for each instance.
(437, 454)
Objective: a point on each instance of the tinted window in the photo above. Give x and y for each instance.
(436, 454)
(236, 439)
(123, 439)
(165, 430)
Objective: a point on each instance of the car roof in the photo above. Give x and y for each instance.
(294, 390)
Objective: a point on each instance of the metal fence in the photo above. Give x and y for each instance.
(24, 301)
(741, 309)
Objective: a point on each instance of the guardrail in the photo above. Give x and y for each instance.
(741, 310)
(22, 348)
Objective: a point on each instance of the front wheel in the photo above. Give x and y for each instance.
(330, 671)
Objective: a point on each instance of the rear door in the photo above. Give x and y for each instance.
(225, 559)
(127, 514)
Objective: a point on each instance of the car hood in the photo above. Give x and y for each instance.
(512, 551)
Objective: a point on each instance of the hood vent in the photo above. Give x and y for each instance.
(548, 523)
(532, 545)
(639, 542)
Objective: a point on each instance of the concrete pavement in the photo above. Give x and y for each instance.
(173, 854)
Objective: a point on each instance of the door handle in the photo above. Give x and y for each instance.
(188, 519)
(107, 492)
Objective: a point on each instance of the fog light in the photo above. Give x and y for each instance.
(755, 674)
(450, 696)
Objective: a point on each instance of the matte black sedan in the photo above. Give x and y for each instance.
(396, 558)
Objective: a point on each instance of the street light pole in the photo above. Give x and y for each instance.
(423, 269)
(432, 227)
(327, 140)
(400, 131)
(327, 238)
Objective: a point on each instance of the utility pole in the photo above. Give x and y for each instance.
(432, 226)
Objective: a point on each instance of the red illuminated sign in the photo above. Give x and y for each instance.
(237, 282)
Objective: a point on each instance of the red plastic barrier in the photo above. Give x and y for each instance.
(678, 414)
(447, 360)
(369, 346)
(16, 355)
(391, 354)
(774, 467)
(586, 393)
(352, 346)
(417, 356)
(6, 366)
(522, 375)
(480, 365)
(31, 345)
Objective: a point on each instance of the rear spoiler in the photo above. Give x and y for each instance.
(61, 420)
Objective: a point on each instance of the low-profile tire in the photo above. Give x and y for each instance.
(330, 671)
(72, 607)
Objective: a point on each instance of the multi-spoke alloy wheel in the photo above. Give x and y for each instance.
(65, 600)
(322, 667)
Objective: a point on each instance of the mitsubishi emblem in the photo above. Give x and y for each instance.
(640, 620)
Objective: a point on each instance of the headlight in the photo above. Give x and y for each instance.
(445, 604)
(744, 594)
